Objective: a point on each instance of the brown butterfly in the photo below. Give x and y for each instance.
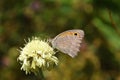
(68, 42)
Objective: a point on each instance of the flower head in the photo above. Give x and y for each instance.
(37, 54)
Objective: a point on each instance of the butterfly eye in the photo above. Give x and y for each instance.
(75, 34)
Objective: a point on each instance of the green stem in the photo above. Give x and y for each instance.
(40, 75)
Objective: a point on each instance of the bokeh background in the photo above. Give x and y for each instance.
(99, 58)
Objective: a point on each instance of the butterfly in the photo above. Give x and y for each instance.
(68, 42)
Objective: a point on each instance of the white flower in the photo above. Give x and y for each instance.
(37, 54)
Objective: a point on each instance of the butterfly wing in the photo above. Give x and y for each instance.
(68, 43)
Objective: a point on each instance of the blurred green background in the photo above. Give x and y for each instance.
(99, 58)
